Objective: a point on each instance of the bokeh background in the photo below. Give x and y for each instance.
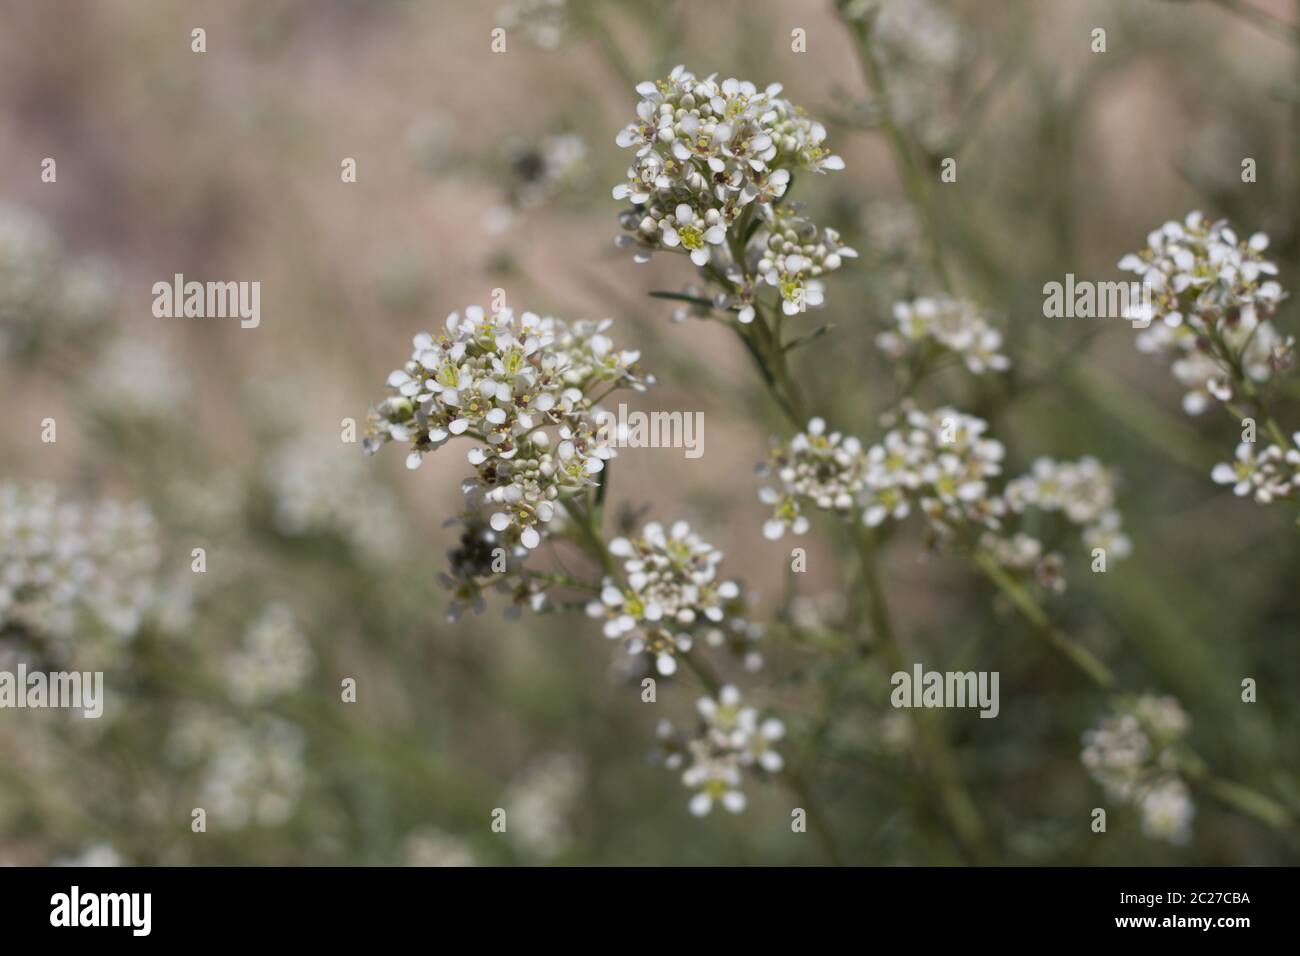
(481, 171)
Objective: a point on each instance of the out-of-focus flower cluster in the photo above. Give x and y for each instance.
(136, 382)
(940, 464)
(730, 739)
(273, 659)
(46, 294)
(314, 489)
(1265, 475)
(525, 391)
(541, 801)
(1083, 492)
(80, 581)
(250, 773)
(669, 592)
(1212, 300)
(544, 22)
(712, 159)
(1136, 754)
(920, 46)
(928, 327)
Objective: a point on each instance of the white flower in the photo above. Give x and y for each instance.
(732, 737)
(544, 22)
(711, 160)
(523, 389)
(88, 579)
(945, 323)
(1265, 474)
(275, 658)
(1215, 299)
(1167, 812)
(541, 801)
(671, 589)
(252, 773)
(1136, 754)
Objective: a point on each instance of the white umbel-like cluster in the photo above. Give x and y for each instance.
(670, 590)
(524, 390)
(712, 158)
(731, 738)
(1136, 755)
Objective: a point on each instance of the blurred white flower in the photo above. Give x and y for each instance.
(252, 773)
(732, 736)
(1214, 297)
(273, 659)
(544, 22)
(137, 381)
(1136, 754)
(430, 846)
(318, 486)
(86, 578)
(540, 803)
(943, 323)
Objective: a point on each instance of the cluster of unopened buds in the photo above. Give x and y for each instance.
(929, 326)
(669, 591)
(712, 160)
(525, 390)
(1136, 755)
(730, 739)
(941, 464)
(481, 561)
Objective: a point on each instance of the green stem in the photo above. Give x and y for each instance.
(1031, 611)
(1264, 809)
(957, 802)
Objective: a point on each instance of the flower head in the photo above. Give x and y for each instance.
(523, 389)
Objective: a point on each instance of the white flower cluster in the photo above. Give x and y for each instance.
(939, 462)
(1082, 491)
(923, 50)
(670, 589)
(70, 572)
(317, 488)
(43, 292)
(137, 381)
(928, 326)
(712, 158)
(544, 22)
(1135, 754)
(1265, 475)
(730, 739)
(273, 659)
(541, 802)
(430, 846)
(1212, 302)
(251, 773)
(524, 389)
